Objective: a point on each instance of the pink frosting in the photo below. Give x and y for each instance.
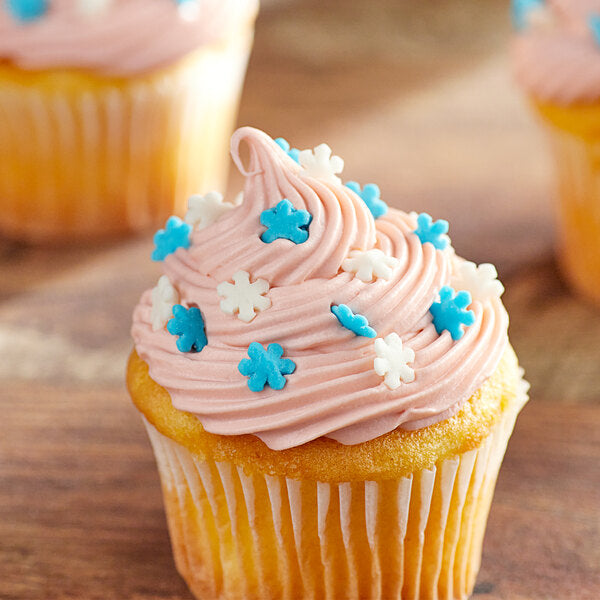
(128, 37)
(556, 59)
(334, 391)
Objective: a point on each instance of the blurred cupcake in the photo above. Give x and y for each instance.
(556, 57)
(112, 112)
(329, 392)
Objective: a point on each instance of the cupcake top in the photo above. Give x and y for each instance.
(113, 37)
(309, 308)
(556, 51)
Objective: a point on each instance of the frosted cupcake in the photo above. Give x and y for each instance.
(556, 57)
(329, 390)
(112, 112)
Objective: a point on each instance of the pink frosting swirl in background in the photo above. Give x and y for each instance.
(128, 37)
(556, 59)
(334, 391)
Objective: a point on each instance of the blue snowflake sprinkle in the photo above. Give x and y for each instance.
(293, 153)
(520, 11)
(188, 324)
(370, 195)
(431, 231)
(175, 235)
(27, 10)
(266, 367)
(450, 312)
(594, 25)
(285, 222)
(357, 324)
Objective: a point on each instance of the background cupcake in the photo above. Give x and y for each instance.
(329, 392)
(113, 112)
(557, 61)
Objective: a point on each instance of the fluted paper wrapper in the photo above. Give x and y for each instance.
(89, 158)
(577, 165)
(261, 537)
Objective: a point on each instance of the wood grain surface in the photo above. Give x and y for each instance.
(417, 99)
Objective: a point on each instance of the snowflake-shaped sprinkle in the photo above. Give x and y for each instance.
(27, 10)
(320, 164)
(371, 196)
(450, 312)
(285, 222)
(266, 367)
(175, 235)
(293, 153)
(480, 281)
(164, 296)
(369, 264)
(523, 10)
(431, 231)
(205, 210)
(90, 8)
(243, 297)
(392, 361)
(188, 324)
(189, 10)
(357, 324)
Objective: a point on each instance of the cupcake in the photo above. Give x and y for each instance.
(556, 56)
(328, 388)
(112, 112)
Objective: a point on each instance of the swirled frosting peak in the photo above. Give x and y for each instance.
(324, 334)
(114, 37)
(556, 50)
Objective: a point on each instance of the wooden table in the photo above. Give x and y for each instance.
(418, 100)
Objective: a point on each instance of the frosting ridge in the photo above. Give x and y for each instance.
(334, 390)
(126, 37)
(556, 56)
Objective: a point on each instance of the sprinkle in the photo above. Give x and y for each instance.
(205, 210)
(523, 10)
(164, 296)
(370, 264)
(175, 235)
(90, 8)
(450, 312)
(27, 10)
(243, 297)
(285, 222)
(480, 281)
(266, 367)
(293, 153)
(320, 164)
(370, 195)
(392, 361)
(188, 324)
(432, 232)
(357, 324)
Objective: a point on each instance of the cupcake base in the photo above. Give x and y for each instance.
(574, 135)
(253, 536)
(86, 156)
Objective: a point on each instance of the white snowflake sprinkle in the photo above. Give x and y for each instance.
(164, 296)
(90, 8)
(480, 281)
(370, 264)
(205, 210)
(243, 297)
(320, 164)
(392, 361)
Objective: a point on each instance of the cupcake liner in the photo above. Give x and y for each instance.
(236, 535)
(577, 164)
(85, 156)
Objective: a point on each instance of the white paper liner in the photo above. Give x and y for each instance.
(118, 158)
(239, 536)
